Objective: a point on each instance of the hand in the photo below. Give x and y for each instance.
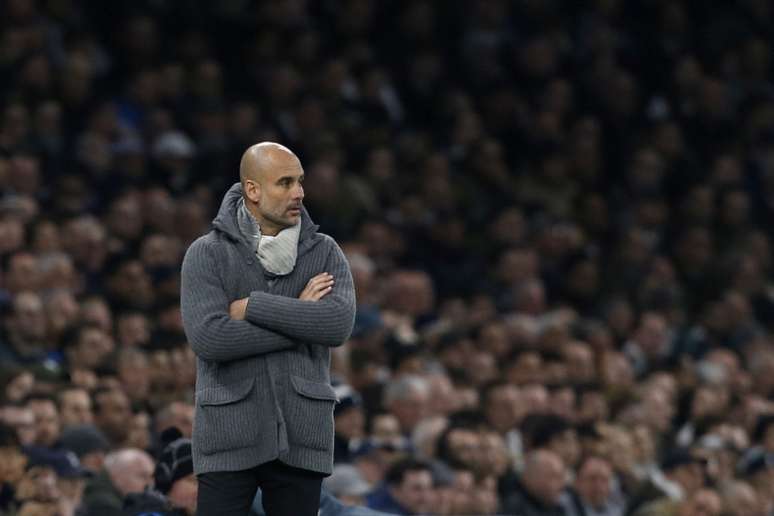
(237, 309)
(317, 287)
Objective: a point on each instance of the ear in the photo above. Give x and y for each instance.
(252, 191)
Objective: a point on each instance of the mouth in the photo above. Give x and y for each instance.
(294, 210)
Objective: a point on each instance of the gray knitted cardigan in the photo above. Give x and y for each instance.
(263, 384)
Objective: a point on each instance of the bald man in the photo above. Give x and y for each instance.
(541, 486)
(264, 297)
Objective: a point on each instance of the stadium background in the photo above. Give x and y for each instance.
(556, 213)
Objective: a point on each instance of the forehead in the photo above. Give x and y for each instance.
(282, 164)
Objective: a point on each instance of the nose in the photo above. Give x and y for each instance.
(298, 193)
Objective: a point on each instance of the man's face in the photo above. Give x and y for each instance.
(114, 414)
(46, 421)
(281, 193)
(594, 482)
(350, 423)
(703, 503)
(415, 493)
(29, 319)
(93, 346)
(76, 408)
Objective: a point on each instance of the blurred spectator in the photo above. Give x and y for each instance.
(540, 488)
(125, 471)
(407, 489)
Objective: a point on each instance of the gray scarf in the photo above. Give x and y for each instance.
(278, 254)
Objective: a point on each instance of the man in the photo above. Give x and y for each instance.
(126, 471)
(263, 298)
(408, 489)
(593, 493)
(113, 414)
(542, 483)
(47, 423)
(75, 407)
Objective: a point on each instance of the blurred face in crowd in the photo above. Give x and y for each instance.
(19, 386)
(689, 476)
(28, 322)
(595, 482)
(415, 491)
(22, 419)
(130, 470)
(544, 476)
(75, 407)
(566, 446)
(385, 427)
(740, 499)
(350, 423)
(91, 348)
(704, 502)
(22, 273)
(465, 446)
(133, 330)
(132, 285)
(12, 463)
(410, 409)
(134, 373)
(579, 360)
(112, 414)
(410, 293)
(62, 310)
(39, 484)
(95, 311)
(503, 410)
(616, 369)
(139, 431)
(46, 421)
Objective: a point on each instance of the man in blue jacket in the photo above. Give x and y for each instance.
(264, 297)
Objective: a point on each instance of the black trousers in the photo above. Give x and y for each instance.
(287, 491)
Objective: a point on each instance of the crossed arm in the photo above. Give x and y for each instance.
(323, 314)
(262, 323)
(212, 333)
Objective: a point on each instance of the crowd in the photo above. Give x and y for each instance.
(555, 213)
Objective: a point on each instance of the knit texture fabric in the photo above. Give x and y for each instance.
(263, 384)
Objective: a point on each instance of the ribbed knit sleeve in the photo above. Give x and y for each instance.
(213, 335)
(327, 322)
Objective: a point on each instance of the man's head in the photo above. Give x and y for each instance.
(112, 413)
(271, 177)
(46, 420)
(27, 323)
(75, 407)
(411, 484)
(130, 470)
(544, 476)
(594, 481)
(704, 502)
(407, 398)
(740, 499)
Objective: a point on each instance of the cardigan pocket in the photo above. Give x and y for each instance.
(310, 413)
(224, 417)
